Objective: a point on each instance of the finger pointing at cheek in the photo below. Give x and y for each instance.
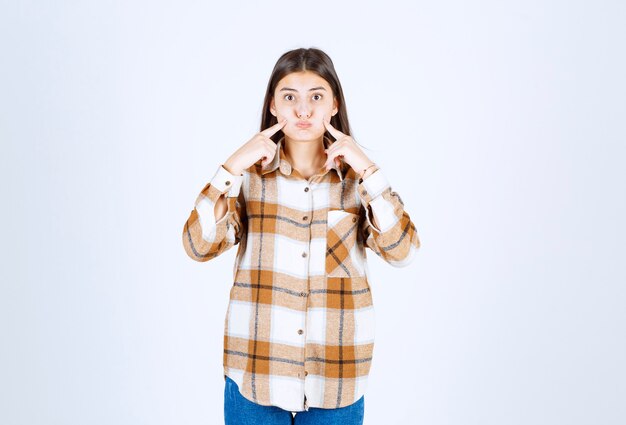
(332, 130)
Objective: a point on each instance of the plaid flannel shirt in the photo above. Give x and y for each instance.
(299, 328)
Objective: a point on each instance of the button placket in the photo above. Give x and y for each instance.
(308, 217)
(305, 253)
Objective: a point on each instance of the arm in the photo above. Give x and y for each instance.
(387, 228)
(218, 219)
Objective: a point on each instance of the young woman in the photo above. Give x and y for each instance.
(302, 201)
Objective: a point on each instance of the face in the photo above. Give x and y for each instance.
(303, 98)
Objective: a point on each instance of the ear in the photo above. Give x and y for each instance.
(273, 107)
(335, 107)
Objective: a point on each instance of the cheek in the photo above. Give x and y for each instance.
(284, 112)
(325, 109)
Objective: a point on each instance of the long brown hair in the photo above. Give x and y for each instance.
(314, 60)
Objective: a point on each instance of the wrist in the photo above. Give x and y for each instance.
(371, 168)
(232, 168)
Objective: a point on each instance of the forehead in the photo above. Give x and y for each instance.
(302, 81)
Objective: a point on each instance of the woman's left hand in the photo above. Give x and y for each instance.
(345, 148)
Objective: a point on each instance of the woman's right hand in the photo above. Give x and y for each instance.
(259, 147)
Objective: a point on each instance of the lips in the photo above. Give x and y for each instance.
(303, 124)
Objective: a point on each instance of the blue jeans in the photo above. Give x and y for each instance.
(238, 410)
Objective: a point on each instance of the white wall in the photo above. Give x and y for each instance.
(508, 118)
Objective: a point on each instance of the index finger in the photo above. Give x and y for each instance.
(332, 130)
(268, 132)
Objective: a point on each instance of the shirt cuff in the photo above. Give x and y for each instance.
(372, 186)
(226, 182)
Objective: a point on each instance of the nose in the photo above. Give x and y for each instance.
(303, 110)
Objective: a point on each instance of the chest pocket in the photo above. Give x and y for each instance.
(341, 239)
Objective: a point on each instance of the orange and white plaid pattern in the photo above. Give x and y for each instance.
(299, 329)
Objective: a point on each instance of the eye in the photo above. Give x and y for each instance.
(287, 95)
(318, 94)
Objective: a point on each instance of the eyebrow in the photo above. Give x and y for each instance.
(314, 88)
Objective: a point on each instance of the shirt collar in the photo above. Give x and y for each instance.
(280, 160)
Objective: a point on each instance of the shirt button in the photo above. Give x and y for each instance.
(306, 189)
(304, 254)
(305, 217)
(300, 331)
(227, 182)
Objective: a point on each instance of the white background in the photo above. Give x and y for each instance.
(500, 124)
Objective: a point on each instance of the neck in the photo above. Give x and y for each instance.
(305, 154)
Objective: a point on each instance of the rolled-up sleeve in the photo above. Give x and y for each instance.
(205, 238)
(395, 237)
